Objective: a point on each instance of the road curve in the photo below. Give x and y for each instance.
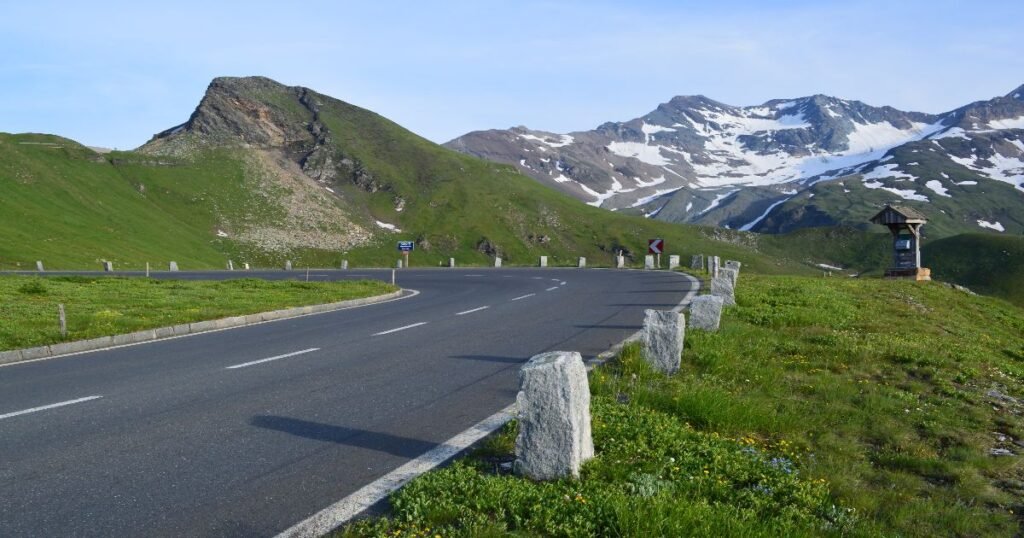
(247, 431)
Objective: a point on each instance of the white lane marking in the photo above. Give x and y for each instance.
(473, 310)
(400, 328)
(554, 280)
(524, 296)
(340, 512)
(562, 283)
(472, 275)
(51, 406)
(552, 288)
(275, 358)
(538, 278)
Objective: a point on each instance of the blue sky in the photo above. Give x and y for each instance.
(114, 73)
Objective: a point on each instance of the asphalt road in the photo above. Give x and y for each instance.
(203, 436)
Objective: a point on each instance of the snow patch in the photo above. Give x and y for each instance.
(386, 226)
(563, 140)
(718, 200)
(967, 183)
(750, 225)
(991, 225)
(221, 233)
(936, 186)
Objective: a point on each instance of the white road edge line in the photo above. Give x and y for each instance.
(524, 296)
(400, 328)
(552, 288)
(412, 293)
(340, 512)
(471, 311)
(277, 357)
(51, 406)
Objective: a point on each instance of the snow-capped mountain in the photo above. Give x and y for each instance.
(697, 160)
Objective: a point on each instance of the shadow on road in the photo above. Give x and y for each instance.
(381, 442)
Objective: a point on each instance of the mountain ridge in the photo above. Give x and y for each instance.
(694, 159)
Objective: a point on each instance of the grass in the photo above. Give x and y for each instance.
(986, 263)
(102, 306)
(823, 406)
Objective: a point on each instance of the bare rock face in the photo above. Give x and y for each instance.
(663, 335)
(706, 312)
(554, 416)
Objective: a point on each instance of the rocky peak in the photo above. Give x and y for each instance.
(1017, 94)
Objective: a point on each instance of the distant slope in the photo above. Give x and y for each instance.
(756, 168)
(985, 263)
(264, 172)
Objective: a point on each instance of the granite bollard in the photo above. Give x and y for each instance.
(287, 265)
(344, 264)
(706, 312)
(721, 286)
(398, 264)
(497, 262)
(648, 262)
(554, 416)
(543, 261)
(108, 266)
(714, 264)
(39, 266)
(582, 262)
(731, 273)
(172, 266)
(231, 265)
(620, 262)
(733, 264)
(246, 266)
(673, 261)
(451, 262)
(663, 335)
(697, 262)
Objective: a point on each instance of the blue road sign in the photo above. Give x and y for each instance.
(406, 246)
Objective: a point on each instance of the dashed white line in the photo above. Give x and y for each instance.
(275, 358)
(562, 283)
(524, 296)
(473, 310)
(400, 328)
(552, 288)
(51, 406)
(538, 278)
(554, 280)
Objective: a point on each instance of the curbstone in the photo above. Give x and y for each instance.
(721, 286)
(673, 261)
(554, 416)
(497, 262)
(648, 262)
(663, 335)
(543, 261)
(10, 356)
(582, 263)
(183, 329)
(706, 312)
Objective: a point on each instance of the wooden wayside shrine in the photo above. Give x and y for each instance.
(905, 225)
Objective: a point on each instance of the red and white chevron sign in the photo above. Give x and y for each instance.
(655, 246)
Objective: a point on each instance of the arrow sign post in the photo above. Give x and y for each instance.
(656, 246)
(405, 247)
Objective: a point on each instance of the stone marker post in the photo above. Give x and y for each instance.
(582, 263)
(246, 266)
(287, 265)
(39, 266)
(663, 335)
(706, 312)
(62, 321)
(673, 261)
(108, 266)
(543, 261)
(731, 273)
(714, 264)
(451, 262)
(497, 262)
(398, 264)
(173, 266)
(696, 262)
(721, 286)
(231, 265)
(344, 264)
(620, 262)
(733, 264)
(649, 262)
(554, 416)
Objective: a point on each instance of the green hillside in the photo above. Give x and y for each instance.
(264, 172)
(985, 263)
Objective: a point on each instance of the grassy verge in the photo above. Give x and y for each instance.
(823, 406)
(101, 306)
